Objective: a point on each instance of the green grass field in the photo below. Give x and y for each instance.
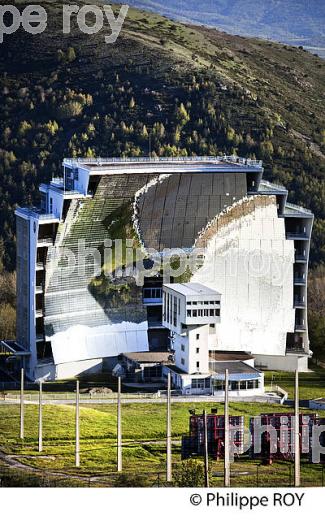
(143, 443)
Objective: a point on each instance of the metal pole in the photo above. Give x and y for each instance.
(21, 404)
(169, 438)
(227, 443)
(206, 451)
(296, 432)
(40, 417)
(77, 427)
(119, 426)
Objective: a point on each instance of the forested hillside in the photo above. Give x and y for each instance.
(194, 90)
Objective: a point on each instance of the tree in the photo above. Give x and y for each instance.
(181, 115)
(131, 480)
(7, 322)
(316, 312)
(71, 55)
(189, 474)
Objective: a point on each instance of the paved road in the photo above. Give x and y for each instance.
(134, 400)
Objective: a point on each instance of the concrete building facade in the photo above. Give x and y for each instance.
(80, 303)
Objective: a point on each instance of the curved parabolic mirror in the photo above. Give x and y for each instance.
(250, 262)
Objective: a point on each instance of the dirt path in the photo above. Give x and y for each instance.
(14, 462)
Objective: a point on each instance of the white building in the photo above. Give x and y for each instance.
(192, 313)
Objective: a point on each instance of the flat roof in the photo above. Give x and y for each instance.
(192, 164)
(38, 214)
(223, 355)
(192, 289)
(233, 367)
(149, 356)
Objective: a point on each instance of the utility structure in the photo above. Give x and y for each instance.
(77, 454)
(227, 431)
(119, 426)
(206, 451)
(22, 432)
(297, 432)
(169, 432)
(40, 417)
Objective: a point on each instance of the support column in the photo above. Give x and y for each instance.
(227, 443)
(77, 454)
(206, 450)
(168, 438)
(119, 426)
(40, 417)
(296, 432)
(22, 432)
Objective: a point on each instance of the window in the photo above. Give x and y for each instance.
(200, 313)
(198, 364)
(197, 350)
(183, 348)
(188, 303)
(217, 312)
(194, 313)
(206, 312)
(183, 361)
(206, 303)
(175, 312)
(200, 383)
(211, 312)
(198, 336)
(189, 313)
(51, 205)
(212, 326)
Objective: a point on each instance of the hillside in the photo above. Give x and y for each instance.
(294, 22)
(195, 90)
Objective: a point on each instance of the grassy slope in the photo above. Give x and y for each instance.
(140, 422)
(281, 21)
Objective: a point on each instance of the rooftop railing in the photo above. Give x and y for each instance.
(290, 205)
(272, 185)
(233, 159)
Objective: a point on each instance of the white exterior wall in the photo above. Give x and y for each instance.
(57, 202)
(203, 345)
(288, 363)
(250, 262)
(189, 354)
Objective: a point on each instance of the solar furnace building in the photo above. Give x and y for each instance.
(80, 303)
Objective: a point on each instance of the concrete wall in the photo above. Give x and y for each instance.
(288, 363)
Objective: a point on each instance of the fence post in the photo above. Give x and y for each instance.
(22, 433)
(40, 417)
(77, 454)
(119, 426)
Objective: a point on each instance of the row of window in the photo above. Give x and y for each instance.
(216, 302)
(171, 308)
(237, 385)
(152, 293)
(200, 383)
(197, 350)
(200, 313)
